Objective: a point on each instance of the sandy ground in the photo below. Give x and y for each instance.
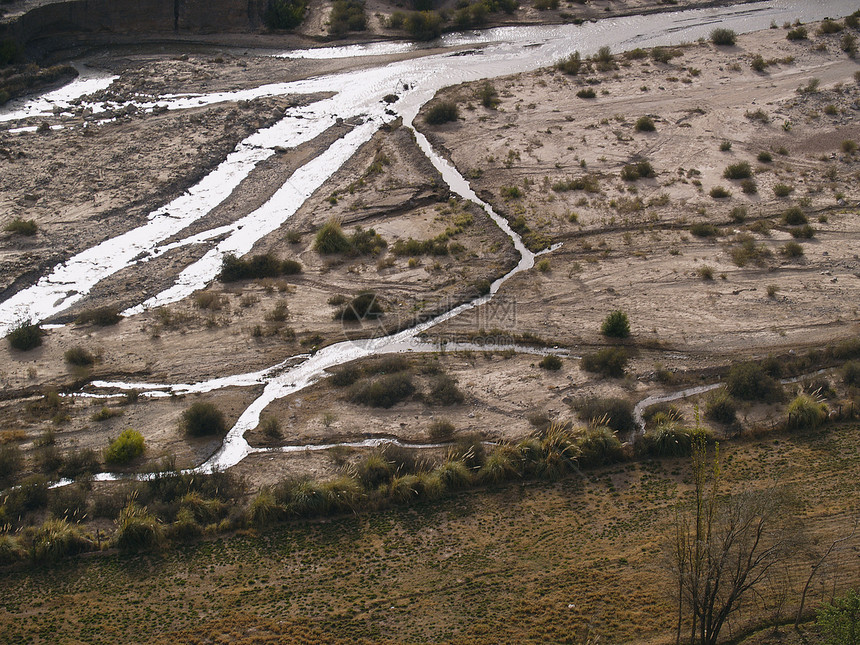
(626, 246)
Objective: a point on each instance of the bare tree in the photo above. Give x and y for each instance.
(723, 548)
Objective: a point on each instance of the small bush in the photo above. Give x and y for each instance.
(137, 529)
(10, 464)
(79, 356)
(704, 229)
(610, 361)
(331, 239)
(720, 407)
(79, 463)
(25, 336)
(423, 25)
(706, 272)
(645, 124)
(444, 391)
(723, 37)
(638, 170)
(488, 95)
(616, 325)
(203, 419)
(346, 16)
(106, 413)
(848, 44)
(126, 447)
(586, 93)
(850, 375)
(738, 214)
(20, 226)
(783, 190)
(441, 430)
(794, 216)
(765, 157)
(804, 412)
(804, 232)
(570, 65)
(725, 145)
(798, 33)
(384, 391)
(599, 447)
(364, 306)
(101, 316)
(750, 382)
(749, 186)
(614, 412)
(57, 539)
(718, 192)
(500, 466)
(829, 26)
(442, 112)
(258, 266)
(551, 363)
(757, 115)
(792, 250)
(758, 63)
(285, 14)
(740, 170)
(849, 146)
(374, 470)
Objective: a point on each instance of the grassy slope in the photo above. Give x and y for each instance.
(529, 563)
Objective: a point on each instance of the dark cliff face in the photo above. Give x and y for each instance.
(79, 18)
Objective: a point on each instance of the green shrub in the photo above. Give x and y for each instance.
(848, 44)
(704, 229)
(792, 250)
(454, 475)
(101, 316)
(10, 551)
(599, 447)
(331, 239)
(839, 620)
(804, 232)
(126, 447)
(346, 16)
(202, 419)
(500, 466)
(384, 391)
(758, 63)
(374, 470)
(638, 170)
(444, 391)
(719, 192)
(664, 54)
(749, 186)
(850, 375)
(265, 510)
(488, 95)
(829, 26)
(725, 145)
(79, 356)
(740, 170)
(258, 266)
(10, 464)
(765, 157)
(720, 407)
(616, 325)
(613, 412)
(805, 412)
(794, 216)
(442, 112)
(364, 306)
(570, 65)
(423, 25)
(610, 361)
(56, 539)
(20, 226)
(25, 336)
(69, 503)
(79, 463)
(849, 146)
(723, 37)
(798, 33)
(671, 440)
(645, 124)
(285, 14)
(586, 93)
(106, 413)
(441, 430)
(588, 183)
(550, 362)
(738, 214)
(137, 529)
(750, 382)
(343, 494)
